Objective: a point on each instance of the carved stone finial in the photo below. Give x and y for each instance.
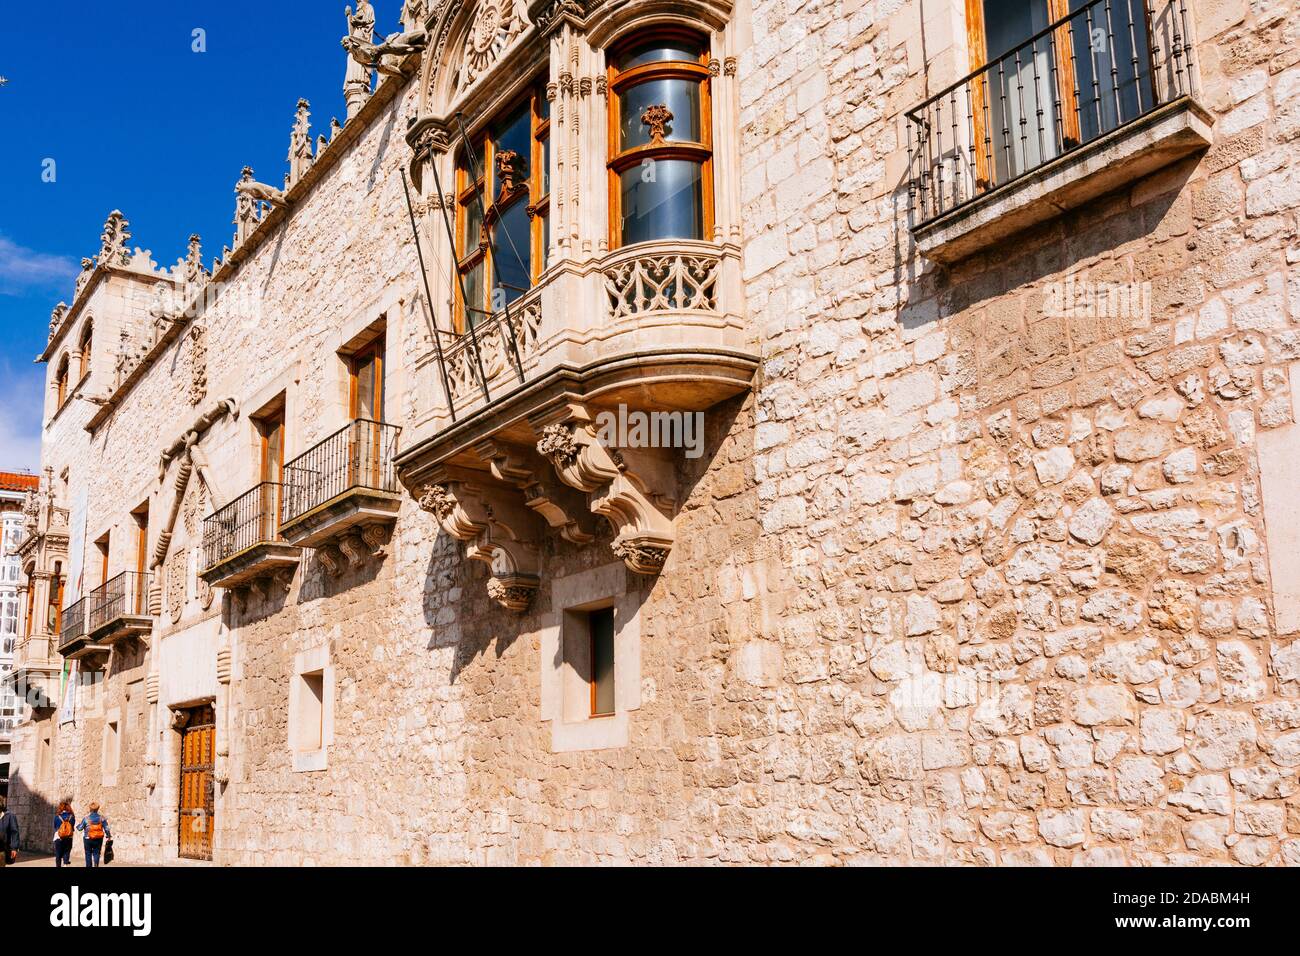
(658, 117)
(195, 274)
(56, 318)
(300, 157)
(113, 241)
(413, 14)
(87, 268)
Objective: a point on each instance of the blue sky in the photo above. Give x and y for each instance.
(135, 119)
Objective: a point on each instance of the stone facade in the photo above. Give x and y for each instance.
(976, 571)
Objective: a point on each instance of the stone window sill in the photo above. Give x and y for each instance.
(1156, 140)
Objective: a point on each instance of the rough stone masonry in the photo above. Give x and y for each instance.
(971, 575)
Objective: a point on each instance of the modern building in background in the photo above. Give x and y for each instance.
(688, 431)
(14, 490)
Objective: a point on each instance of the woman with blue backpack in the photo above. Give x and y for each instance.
(95, 826)
(64, 824)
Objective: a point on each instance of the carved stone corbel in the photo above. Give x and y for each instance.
(331, 560)
(562, 508)
(375, 538)
(496, 528)
(632, 489)
(353, 548)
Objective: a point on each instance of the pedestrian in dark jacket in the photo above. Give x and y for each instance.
(95, 826)
(8, 835)
(65, 822)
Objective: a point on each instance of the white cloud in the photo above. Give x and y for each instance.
(24, 270)
(22, 405)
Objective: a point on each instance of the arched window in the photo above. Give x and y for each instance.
(55, 611)
(31, 600)
(61, 382)
(503, 197)
(660, 138)
(87, 337)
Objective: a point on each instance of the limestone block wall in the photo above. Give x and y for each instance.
(1028, 608)
(969, 577)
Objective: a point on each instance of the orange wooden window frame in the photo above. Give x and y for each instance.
(591, 660)
(701, 152)
(61, 382)
(375, 350)
(495, 203)
(84, 348)
(31, 604)
(57, 583)
(977, 45)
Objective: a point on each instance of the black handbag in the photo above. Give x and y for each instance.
(108, 851)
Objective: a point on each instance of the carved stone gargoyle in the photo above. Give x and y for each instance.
(371, 55)
(250, 188)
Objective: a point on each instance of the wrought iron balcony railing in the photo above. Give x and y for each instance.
(74, 622)
(1105, 65)
(359, 455)
(249, 520)
(126, 595)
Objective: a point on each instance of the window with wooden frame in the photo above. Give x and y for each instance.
(366, 380)
(61, 383)
(55, 611)
(502, 209)
(83, 350)
(137, 591)
(660, 138)
(29, 626)
(1052, 74)
(270, 433)
(600, 626)
(102, 546)
(366, 409)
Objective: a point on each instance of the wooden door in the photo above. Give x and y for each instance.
(366, 397)
(138, 600)
(198, 752)
(272, 473)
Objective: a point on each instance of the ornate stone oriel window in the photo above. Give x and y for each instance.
(502, 210)
(660, 140)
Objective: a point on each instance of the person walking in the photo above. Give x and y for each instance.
(8, 835)
(64, 824)
(95, 826)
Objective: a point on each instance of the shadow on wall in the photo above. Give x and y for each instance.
(479, 623)
(1054, 247)
(36, 821)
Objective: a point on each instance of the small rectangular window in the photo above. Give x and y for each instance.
(311, 711)
(601, 627)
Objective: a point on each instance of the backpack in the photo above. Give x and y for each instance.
(65, 827)
(95, 829)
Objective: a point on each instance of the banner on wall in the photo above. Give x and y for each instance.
(68, 700)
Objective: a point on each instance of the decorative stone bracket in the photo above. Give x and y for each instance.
(621, 483)
(497, 529)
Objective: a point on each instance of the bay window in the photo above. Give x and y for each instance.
(502, 210)
(660, 140)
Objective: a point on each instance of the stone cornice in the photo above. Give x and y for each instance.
(79, 303)
(326, 160)
(114, 399)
